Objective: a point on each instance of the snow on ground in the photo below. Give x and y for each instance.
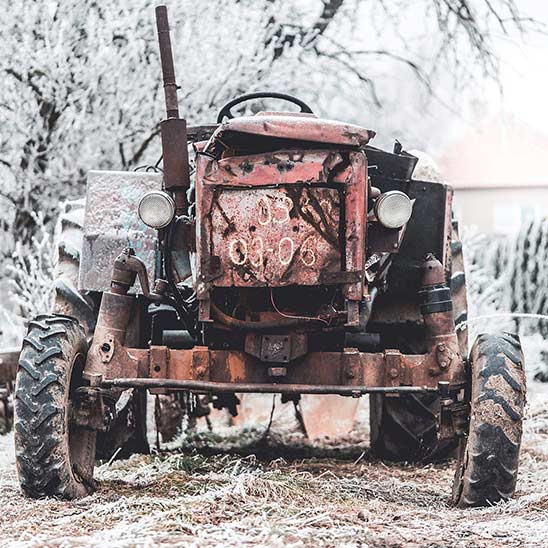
(297, 494)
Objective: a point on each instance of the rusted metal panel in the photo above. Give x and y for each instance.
(382, 239)
(280, 167)
(158, 362)
(112, 223)
(301, 127)
(355, 222)
(267, 220)
(448, 231)
(347, 368)
(274, 236)
(276, 348)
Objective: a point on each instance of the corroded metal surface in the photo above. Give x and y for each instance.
(298, 126)
(281, 167)
(272, 220)
(347, 368)
(275, 236)
(112, 223)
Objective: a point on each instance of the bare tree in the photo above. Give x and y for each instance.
(80, 81)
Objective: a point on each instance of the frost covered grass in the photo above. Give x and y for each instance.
(336, 496)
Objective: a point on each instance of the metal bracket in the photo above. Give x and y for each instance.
(200, 364)
(106, 350)
(158, 365)
(89, 409)
(394, 370)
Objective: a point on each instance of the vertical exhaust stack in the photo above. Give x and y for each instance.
(173, 128)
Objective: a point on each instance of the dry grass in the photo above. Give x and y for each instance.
(337, 496)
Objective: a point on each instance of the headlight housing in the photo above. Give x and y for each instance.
(393, 209)
(156, 209)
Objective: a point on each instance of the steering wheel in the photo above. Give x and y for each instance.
(227, 109)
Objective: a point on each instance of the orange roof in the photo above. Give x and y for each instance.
(502, 152)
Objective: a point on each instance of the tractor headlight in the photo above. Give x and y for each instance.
(156, 209)
(393, 209)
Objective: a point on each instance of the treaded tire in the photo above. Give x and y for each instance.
(405, 428)
(67, 299)
(488, 463)
(54, 456)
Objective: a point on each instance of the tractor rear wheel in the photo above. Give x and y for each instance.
(405, 428)
(67, 299)
(488, 461)
(54, 455)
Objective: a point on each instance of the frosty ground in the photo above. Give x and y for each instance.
(247, 487)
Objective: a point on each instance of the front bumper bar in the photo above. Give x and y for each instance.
(264, 388)
(348, 372)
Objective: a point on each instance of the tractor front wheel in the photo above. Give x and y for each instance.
(488, 461)
(55, 456)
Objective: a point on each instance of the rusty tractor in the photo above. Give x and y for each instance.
(289, 256)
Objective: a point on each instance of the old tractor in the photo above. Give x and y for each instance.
(288, 256)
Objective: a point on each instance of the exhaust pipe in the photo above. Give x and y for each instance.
(173, 129)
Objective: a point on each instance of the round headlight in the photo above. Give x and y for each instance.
(393, 209)
(156, 209)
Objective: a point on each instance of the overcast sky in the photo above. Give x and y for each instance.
(524, 73)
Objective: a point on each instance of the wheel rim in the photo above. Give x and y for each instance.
(81, 441)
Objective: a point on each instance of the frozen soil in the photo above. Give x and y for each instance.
(339, 498)
(241, 486)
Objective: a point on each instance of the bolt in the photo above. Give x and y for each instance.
(443, 364)
(393, 373)
(441, 347)
(395, 246)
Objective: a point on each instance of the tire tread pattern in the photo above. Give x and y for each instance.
(43, 379)
(487, 470)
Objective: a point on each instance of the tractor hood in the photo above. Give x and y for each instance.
(298, 126)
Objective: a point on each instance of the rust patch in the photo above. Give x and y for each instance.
(275, 236)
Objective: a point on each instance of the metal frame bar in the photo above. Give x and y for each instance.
(264, 388)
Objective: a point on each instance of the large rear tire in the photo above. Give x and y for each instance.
(54, 455)
(488, 461)
(67, 299)
(405, 428)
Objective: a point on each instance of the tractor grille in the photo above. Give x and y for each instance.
(275, 236)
